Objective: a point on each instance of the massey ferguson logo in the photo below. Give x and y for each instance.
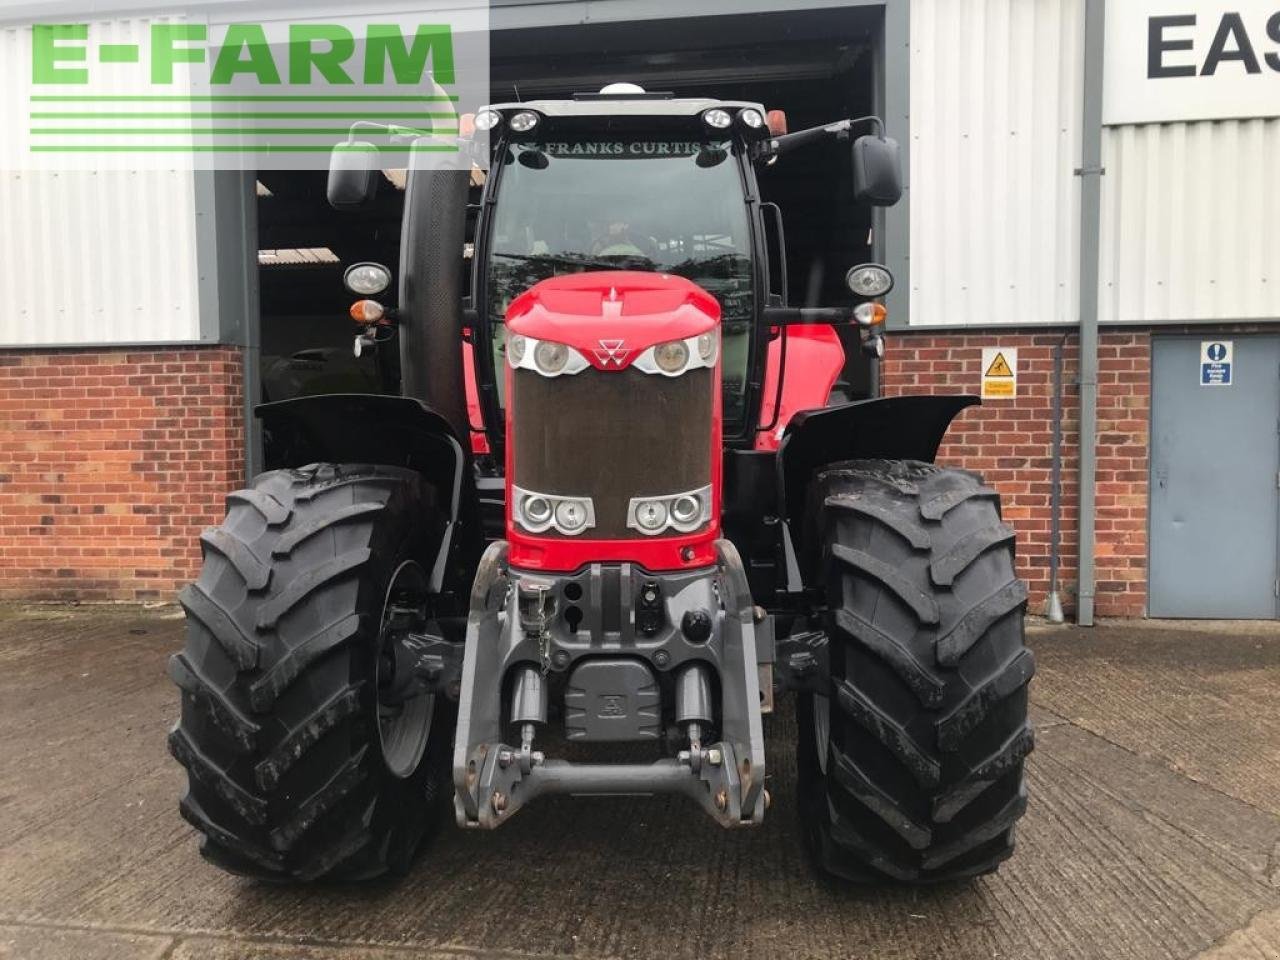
(612, 352)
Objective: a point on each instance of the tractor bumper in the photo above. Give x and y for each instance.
(626, 670)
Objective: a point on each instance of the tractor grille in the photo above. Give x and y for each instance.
(611, 436)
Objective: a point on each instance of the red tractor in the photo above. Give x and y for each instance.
(612, 511)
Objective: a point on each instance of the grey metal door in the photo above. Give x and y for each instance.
(1215, 477)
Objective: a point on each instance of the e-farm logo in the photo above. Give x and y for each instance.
(250, 94)
(245, 51)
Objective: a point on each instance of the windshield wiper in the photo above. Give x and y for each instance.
(572, 259)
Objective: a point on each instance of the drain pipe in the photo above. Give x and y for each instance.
(1090, 173)
(1053, 604)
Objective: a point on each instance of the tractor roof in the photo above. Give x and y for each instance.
(604, 105)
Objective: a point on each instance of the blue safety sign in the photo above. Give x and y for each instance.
(1215, 363)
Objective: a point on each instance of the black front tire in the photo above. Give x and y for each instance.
(912, 769)
(279, 731)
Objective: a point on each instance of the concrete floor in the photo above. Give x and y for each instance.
(1153, 831)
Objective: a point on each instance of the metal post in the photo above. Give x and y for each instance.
(252, 386)
(1090, 173)
(892, 225)
(226, 205)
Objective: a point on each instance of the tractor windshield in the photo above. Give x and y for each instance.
(626, 204)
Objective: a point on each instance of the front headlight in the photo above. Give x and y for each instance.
(367, 279)
(869, 280)
(524, 121)
(671, 357)
(686, 509)
(515, 349)
(550, 358)
(650, 515)
(488, 119)
(707, 347)
(537, 510)
(540, 512)
(683, 512)
(571, 516)
(717, 119)
(677, 357)
(543, 357)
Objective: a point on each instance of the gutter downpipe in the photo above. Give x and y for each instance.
(1090, 174)
(1053, 604)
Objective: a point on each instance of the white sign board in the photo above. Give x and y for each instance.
(1216, 360)
(999, 373)
(1172, 60)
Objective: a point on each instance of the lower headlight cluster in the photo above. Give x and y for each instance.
(540, 512)
(682, 512)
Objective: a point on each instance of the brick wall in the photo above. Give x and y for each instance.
(1010, 442)
(111, 463)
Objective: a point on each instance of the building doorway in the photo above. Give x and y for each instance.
(1215, 477)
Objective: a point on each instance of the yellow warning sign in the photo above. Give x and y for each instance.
(999, 373)
(999, 367)
(998, 389)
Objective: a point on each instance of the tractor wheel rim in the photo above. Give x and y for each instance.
(403, 728)
(822, 729)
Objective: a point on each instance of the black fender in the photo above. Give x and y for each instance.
(431, 268)
(391, 431)
(887, 428)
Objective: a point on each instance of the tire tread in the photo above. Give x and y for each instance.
(224, 713)
(278, 732)
(203, 610)
(928, 730)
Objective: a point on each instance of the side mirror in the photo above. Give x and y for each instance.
(877, 171)
(352, 181)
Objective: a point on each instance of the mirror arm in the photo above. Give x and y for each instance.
(395, 131)
(789, 316)
(469, 147)
(776, 146)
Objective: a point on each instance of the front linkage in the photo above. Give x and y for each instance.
(681, 631)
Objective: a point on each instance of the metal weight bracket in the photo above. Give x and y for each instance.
(490, 780)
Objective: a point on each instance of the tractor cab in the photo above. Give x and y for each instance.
(657, 184)
(629, 180)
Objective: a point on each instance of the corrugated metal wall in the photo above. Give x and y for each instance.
(1191, 221)
(90, 256)
(106, 257)
(1188, 221)
(996, 91)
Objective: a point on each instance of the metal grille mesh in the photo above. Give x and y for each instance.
(612, 436)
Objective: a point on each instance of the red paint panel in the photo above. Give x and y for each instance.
(637, 309)
(815, 358)
(475, 417)
(643, 309)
